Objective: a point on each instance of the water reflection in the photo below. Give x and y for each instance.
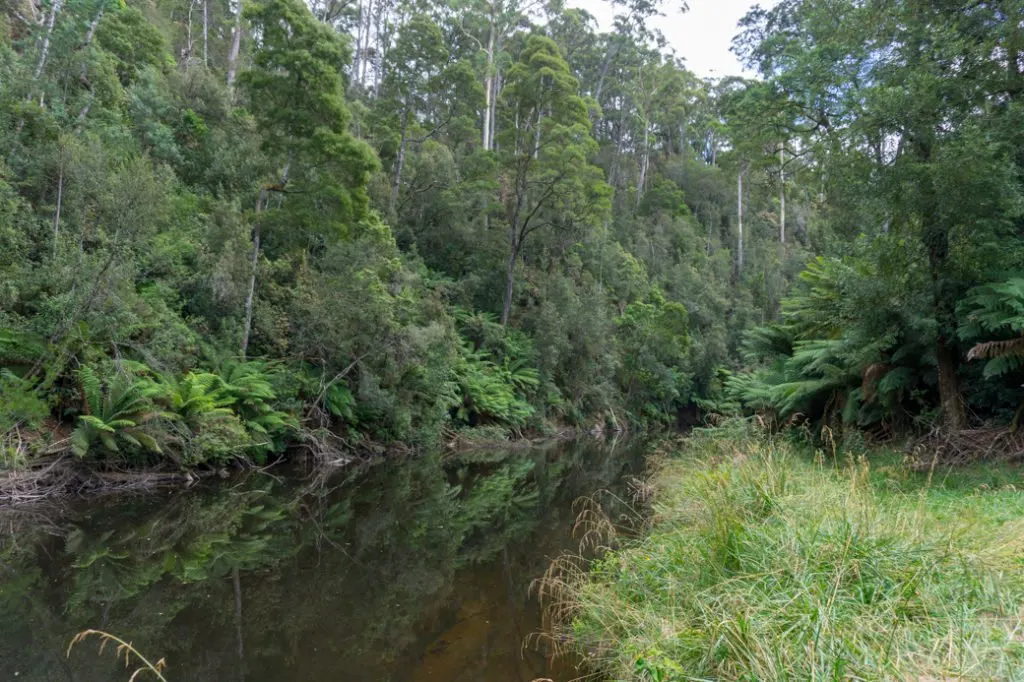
(407, 571)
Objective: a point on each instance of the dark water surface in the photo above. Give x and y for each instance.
(406, 571)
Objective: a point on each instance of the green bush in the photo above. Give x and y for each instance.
(19, 404)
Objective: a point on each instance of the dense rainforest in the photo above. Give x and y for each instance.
(228, 228)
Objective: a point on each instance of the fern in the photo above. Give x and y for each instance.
(194, 398)
(491, 392)
(249, 386)
(995, 310)
(114, 413)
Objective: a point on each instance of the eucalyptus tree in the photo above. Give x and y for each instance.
(320, 171)
(546, 178)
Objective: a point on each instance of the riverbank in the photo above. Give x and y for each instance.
(764, 561)
(53, 470)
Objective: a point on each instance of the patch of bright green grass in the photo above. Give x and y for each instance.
(763, 563)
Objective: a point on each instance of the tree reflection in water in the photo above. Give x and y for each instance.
(414, 570)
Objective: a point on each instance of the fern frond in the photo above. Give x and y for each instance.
(988, 350)
(92, 389)
(97, 423)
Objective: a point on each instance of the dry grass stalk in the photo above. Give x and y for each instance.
(124, 650)
(987, 444)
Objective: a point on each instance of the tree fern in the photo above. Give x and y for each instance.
(995, 310)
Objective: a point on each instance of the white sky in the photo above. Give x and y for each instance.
(702, 36)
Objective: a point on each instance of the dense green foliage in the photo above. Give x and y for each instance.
(427, 217)
(416, 218)
(766, 562)
(904, 118)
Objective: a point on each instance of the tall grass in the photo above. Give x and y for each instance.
(764, 564)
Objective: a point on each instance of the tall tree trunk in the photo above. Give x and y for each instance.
(496, 85)
(206, 33)
(253, 270)
(510, 272)
(188, 32)
(368, 22)
(60, 197)
(609, 56)
(378, 57)
(236, 44)
(488, 87)
(644, 162)
(44, 51)
(739, 220)
(357, 55)
(950, 397)
(85, 70)
(396, 185)
(935, 237)
(782, 195)
(536, 135)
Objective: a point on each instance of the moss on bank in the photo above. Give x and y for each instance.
(763, 562)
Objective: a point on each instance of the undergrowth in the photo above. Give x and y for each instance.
(766, 562)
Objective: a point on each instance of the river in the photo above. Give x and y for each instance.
(406, 571)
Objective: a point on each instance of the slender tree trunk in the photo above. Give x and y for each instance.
(613, 174)
(510, 272)
(609, 56)
(188, 32)
(782, 196)
(536, 135)
(936, 239)
(496, 85)
(44, 51)
(56, 213)
(378, 58)
(368, 22)
(739, 220)
(92, 29)
(236, 44)
(399, 162)
(358, 55)
(644, 162)
(206, 33)
(253, 270)
(85, 70)
(488, 88)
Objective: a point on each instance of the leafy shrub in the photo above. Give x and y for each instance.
(217, 440)
(19, 403)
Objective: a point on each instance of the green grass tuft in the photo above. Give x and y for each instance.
(762, 564)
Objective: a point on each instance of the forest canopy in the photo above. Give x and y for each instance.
(232, 227)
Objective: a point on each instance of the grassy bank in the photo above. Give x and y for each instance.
(765, 562)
